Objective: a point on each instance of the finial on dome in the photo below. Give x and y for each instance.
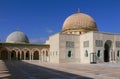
(78, 10)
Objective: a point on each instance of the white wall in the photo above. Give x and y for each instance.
(104, 37)
(86, 37)
(75, 58)
(54, 48)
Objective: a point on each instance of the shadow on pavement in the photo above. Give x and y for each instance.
(24, 70)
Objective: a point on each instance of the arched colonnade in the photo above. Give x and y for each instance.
(25, 54)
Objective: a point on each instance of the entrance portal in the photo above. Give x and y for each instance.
(107, 47)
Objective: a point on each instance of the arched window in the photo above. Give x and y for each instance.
(86, 53)
(69, 53)
(118, 53)
(98, 54)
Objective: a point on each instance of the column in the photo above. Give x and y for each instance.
(20, 55)
(42, 57)
(24, 55)
(0, 55)
(9, 56)
(16, 55)
(114, 56)
(110, 55)
(39, 57)
(30, 56)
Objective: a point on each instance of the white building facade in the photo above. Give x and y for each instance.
(81, 42)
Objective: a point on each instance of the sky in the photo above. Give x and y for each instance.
(39, 19)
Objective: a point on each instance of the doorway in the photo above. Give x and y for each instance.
(107, 47)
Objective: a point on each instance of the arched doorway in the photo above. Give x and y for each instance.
(36, 55)
(19, 56)
(107, 47)
(13, 55)
(27, 55)
(4, 55)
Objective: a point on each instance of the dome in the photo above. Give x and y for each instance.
(79, 22)
(17, 37)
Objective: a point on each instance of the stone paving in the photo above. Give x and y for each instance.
(94, 71)
(39, 70)
(3, 70)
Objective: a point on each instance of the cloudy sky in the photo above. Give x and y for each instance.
(39, 19)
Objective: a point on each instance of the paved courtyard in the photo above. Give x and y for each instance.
(38, 70)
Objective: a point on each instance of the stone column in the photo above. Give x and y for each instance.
(24, 55)
(30, 56)
(110, 55)
(0, 54)
(16, 55)
(114, 56)
(9, 56)
(42, 57)
(39, 57)
(20, 55)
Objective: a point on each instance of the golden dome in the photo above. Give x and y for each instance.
(79, 21)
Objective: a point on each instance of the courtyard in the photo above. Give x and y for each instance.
(40, 70)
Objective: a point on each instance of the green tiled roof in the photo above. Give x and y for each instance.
(18, 44)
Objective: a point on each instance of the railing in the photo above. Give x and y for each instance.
(98, 59)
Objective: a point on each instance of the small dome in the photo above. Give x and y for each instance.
(79, 21)
(17, 37)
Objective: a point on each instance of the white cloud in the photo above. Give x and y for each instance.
(38, 40)
(49, 30)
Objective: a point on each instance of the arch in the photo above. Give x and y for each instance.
(107, 47)
(45, 52)
(27, 55)
(36, 55)
(13, 55)
(25, 49)
(4, 53)
(35, 49)
(44, 55)
(19, 56)
(16, 49)
(118, 53)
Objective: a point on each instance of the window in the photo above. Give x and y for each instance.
(98, 54)
(98, 43)
(86, 53)
(69, 53)
(118, 53)
(69, 44)
(118, 44)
